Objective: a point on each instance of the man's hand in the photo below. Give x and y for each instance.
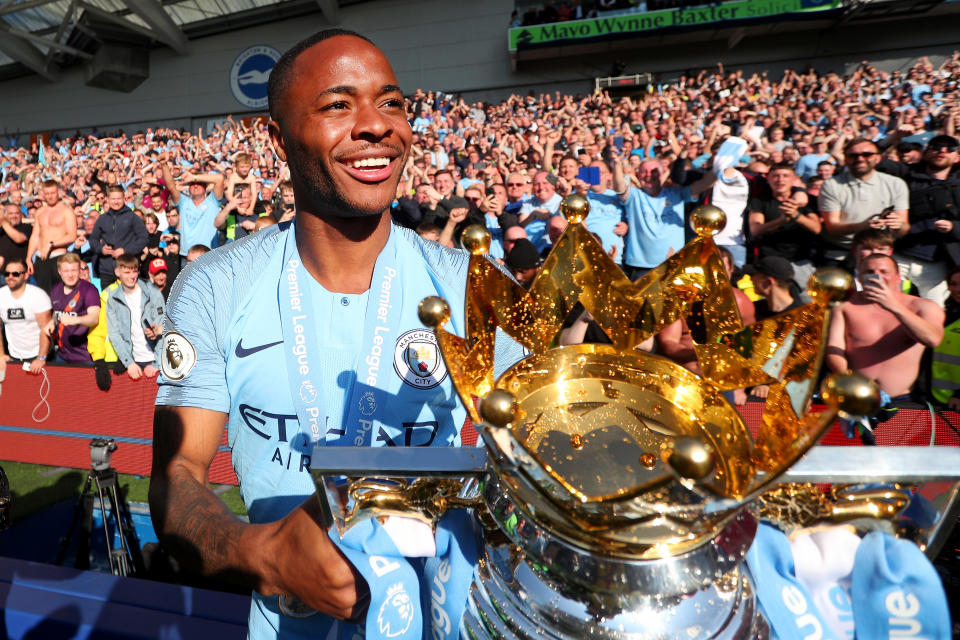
(760, 391)
(621, 229)
(249, 225)
(116, 253)
(107, 249)
(458, 215)
(876, 290)
(150, 371)
(153, 332)
(134, 371)
(308, 565)
(36, 365)
(943, 226)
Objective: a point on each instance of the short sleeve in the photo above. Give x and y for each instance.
(41, 301)
(192, 313)
(901, 194)
(829, 200)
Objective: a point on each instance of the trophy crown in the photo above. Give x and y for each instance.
(620, 444)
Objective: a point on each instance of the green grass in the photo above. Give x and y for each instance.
(35, 487)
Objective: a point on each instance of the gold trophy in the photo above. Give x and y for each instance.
(612, 496)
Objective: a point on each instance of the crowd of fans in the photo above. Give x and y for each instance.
(827, 170)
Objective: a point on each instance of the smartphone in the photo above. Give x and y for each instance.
(871, 277)
(618, 142)
(590, 175)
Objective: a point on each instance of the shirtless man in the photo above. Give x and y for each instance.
(53, 233)
(881, 332)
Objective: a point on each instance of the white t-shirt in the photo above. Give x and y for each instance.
(732, 198)
(141, 352)
(19, 317)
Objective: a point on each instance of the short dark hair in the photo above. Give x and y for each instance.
(861, 140)
(783, 166)
(280, 75)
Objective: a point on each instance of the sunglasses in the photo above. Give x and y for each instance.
(949, 148)
(13, 274)
(515, 184)
(865, 154)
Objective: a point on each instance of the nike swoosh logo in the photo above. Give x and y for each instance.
(243, 353)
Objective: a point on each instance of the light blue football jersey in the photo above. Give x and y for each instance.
(226, 306)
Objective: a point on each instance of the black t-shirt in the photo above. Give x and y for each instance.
(790, 240)
(9, 249)
(762, 308)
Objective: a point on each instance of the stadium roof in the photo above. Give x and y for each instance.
(40, 36)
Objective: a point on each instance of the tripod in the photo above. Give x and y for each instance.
(124, 560)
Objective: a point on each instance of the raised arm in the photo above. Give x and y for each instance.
(169, 182)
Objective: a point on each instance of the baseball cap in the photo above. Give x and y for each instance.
(523, 255)
(942, 140)
(774, 266)
(157, 265)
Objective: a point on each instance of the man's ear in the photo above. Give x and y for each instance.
(273, 128)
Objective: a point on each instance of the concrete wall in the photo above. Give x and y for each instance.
(451, 45)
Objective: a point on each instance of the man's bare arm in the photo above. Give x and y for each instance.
(291, 556)
(836, 355)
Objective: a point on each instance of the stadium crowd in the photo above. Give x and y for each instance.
(811, 170)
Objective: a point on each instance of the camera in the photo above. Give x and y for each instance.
(100, 451)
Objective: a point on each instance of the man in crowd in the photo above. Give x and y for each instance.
(24, 312)
(524, 262)
(338, 121)
(76, 309)
(14, 235)
(860, 198)
(198, 207)
(932, 244)
(119, 231)
(772, 278)
(782, 225)
(655, 217)
(158, 271)
(882, 332)
(54, 231)
(535, 212)
(606, 211)
(134, 319)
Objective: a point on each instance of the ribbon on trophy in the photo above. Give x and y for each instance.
(402, 589)
(828, 583)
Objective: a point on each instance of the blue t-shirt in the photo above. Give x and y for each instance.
(807, 165)
(196, 222)
(606, 212)
(656, 225)
(226, 305)
(537, 229)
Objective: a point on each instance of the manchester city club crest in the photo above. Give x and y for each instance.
(417, 359)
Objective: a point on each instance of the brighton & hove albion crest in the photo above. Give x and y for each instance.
(177, 356)
(417, 359)
(249, 75)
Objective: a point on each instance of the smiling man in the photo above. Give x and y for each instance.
(305, 334)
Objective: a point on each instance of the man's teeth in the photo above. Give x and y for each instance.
(371, 162)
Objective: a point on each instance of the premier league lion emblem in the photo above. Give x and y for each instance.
(177, 356)
(417, 359)
(396, 613)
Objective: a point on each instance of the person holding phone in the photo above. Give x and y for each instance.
(861, 198)
(882, 332)
(134, 313)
